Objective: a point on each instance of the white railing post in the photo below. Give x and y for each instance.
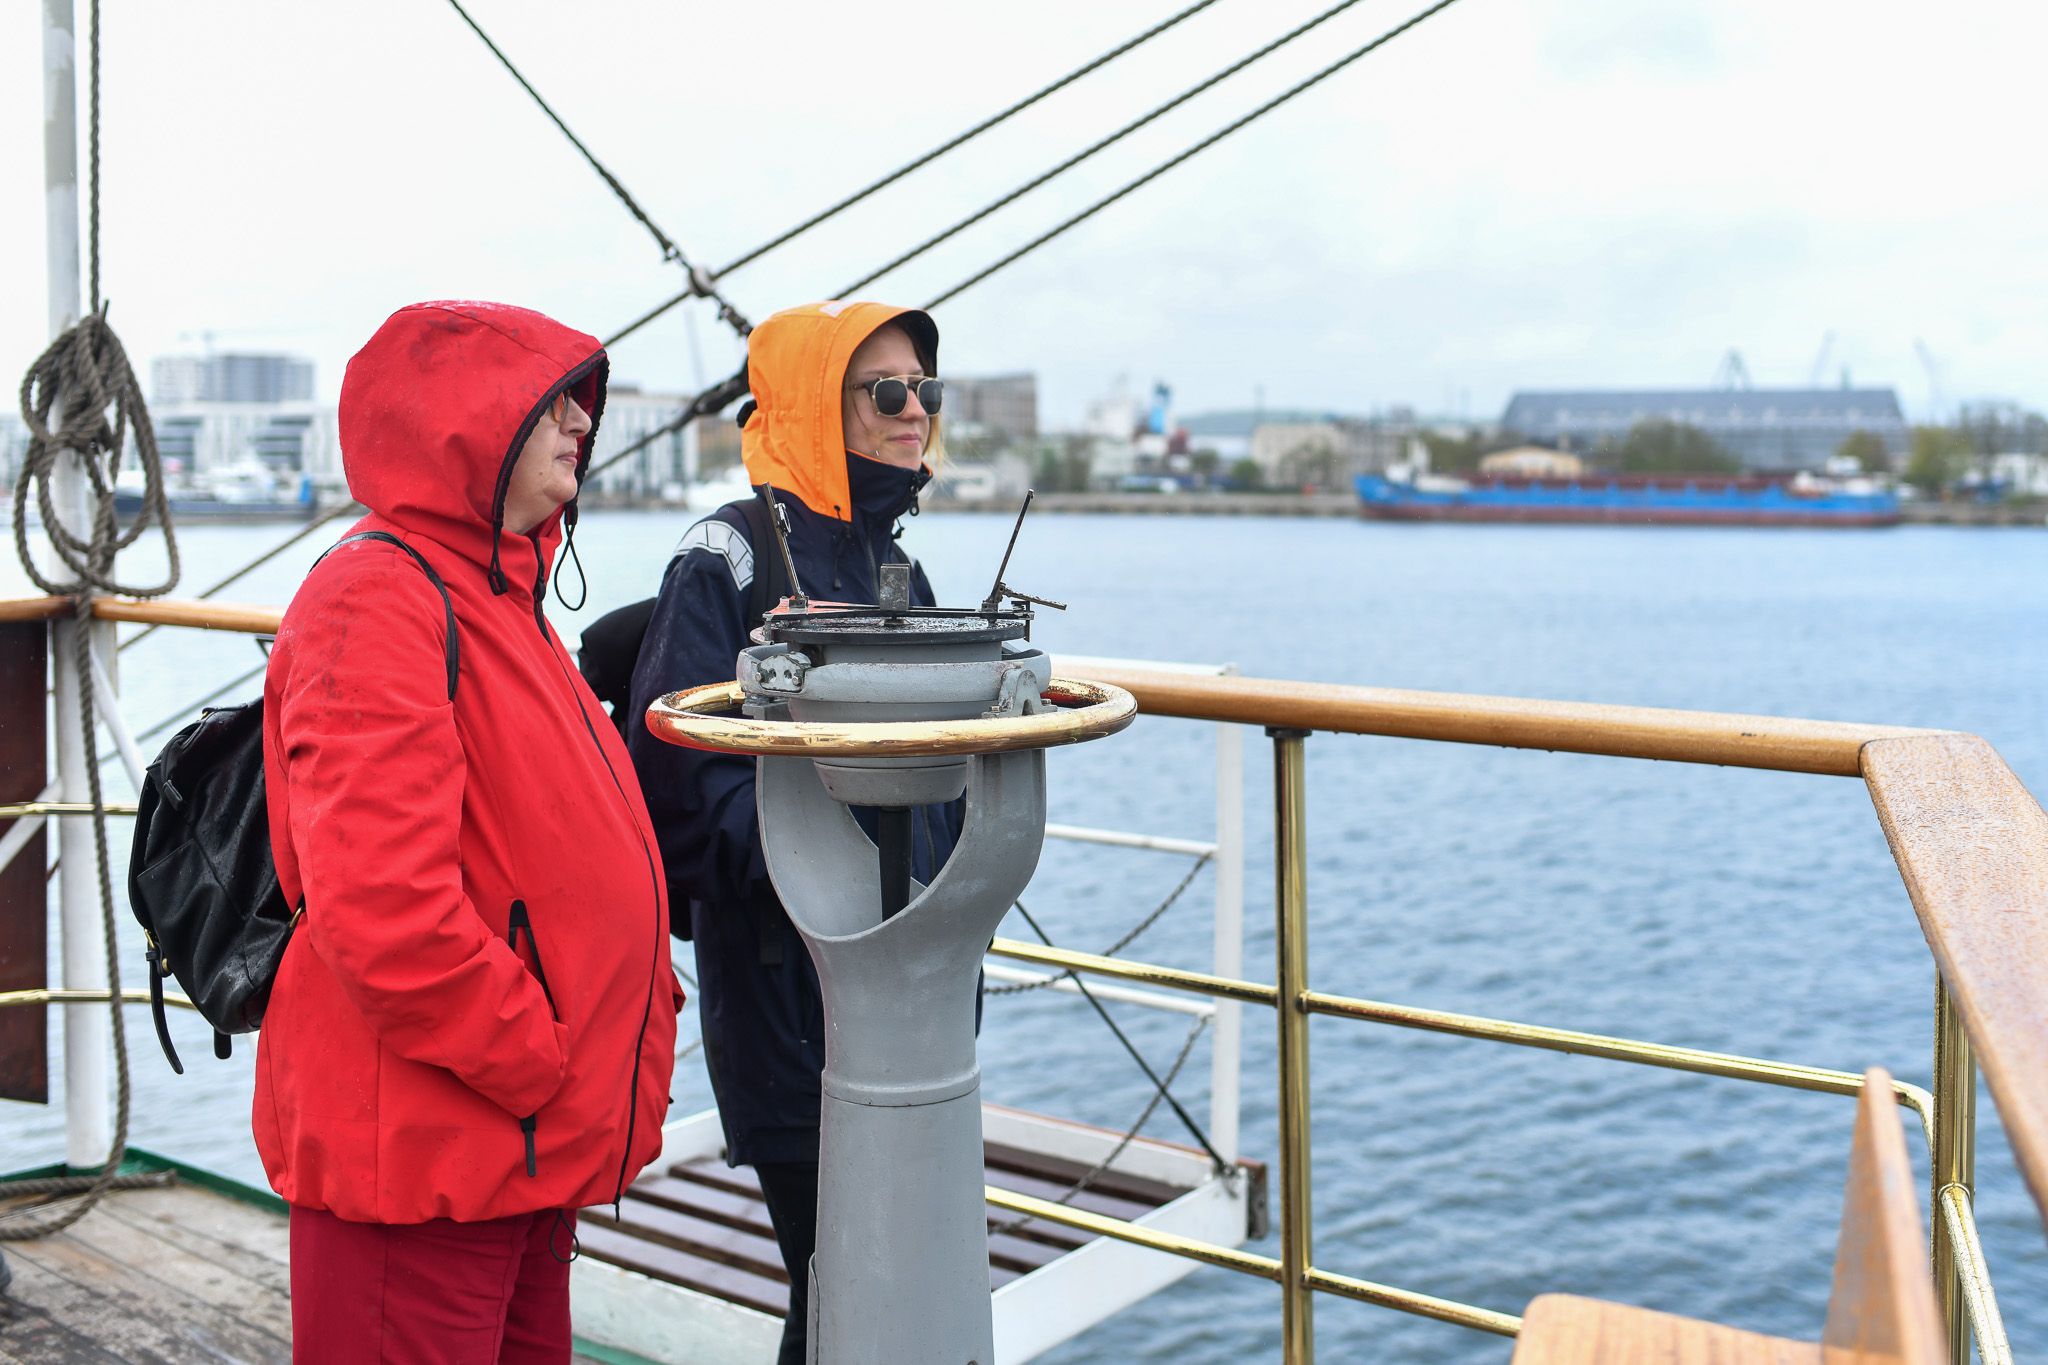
(87, 1128)
(1227, 1046)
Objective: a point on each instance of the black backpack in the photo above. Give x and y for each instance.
(611, 644)
(200, 877)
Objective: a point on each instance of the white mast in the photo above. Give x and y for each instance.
(87, 1130)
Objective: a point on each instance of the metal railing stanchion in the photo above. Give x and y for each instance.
(1953, 1160)
(1227, 1045)
(1290, 897)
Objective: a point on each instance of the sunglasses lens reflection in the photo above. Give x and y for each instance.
(891, 396)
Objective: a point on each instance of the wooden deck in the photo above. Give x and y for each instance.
(174, 1276)
(197, 1273)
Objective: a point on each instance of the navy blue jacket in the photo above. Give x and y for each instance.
(757, 991)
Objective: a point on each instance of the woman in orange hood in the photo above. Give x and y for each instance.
(843, 426)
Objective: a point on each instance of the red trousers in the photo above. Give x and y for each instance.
(436, 1293)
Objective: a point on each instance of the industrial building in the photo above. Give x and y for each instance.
(230, 378)
(1767, 429)
(999, 402)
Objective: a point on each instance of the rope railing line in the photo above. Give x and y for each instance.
(1179, 1110)
(1130, 1135)
(917, 163)
(1019, 987)
(259, 561)
(1163, 167)
(1085, 153)
(700, 280)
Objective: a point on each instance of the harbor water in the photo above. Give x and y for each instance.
(1747, 912)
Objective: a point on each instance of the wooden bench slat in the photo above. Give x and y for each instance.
(680, 1268)
(711, 1204)
(742, 1251)
(1138, 1189)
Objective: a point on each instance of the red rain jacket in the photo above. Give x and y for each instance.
(407, 1039)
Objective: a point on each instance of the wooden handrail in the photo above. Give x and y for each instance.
(1807, 746)
(1810, 746)
(1972, 845)
(158, 611)
(34, 608)
(185, 611)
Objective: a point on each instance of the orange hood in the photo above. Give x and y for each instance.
(796, 365)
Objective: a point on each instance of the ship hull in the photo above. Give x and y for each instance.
(1643, 503)
(128, 506)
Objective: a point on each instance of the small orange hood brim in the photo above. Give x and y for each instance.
(796, 365)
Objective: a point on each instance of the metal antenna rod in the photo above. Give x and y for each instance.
(779, 520)
(995, 593)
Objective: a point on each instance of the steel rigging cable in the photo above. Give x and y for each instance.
(976, 131)
(1077, 158)
(892, 177)
(700, 279)
(712, 400)
(1163, 167)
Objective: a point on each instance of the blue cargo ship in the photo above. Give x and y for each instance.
(1630, 499)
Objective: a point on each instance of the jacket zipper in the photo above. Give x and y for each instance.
(660, 926)
(516, 921)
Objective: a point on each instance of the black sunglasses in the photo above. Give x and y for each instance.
(891, 396)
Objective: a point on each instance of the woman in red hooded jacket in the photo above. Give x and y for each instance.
(471, 1034)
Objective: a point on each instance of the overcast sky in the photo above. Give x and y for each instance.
(1519, 193)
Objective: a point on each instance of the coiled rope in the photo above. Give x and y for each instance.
(65, 399)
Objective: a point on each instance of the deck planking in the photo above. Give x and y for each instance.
(173, 1276)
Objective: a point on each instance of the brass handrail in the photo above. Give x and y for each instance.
(17, 809)
(1973, 1276)
(1726, 1064)
(57, 995)
(1265, 1267)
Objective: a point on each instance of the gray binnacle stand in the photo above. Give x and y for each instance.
(901, 1271)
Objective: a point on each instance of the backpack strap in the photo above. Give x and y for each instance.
(771, 581)
(447, 603)
(158, 970)
(770, 585)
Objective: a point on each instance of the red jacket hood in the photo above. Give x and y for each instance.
(435, 409)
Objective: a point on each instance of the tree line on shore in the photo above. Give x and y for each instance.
(1939, 460)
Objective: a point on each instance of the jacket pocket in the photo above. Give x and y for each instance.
(517, 922)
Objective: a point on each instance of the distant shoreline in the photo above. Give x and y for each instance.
(2033, 513)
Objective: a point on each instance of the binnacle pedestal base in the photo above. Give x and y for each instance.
(901, 1271)
(895, 708)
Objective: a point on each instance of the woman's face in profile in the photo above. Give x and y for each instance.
(545, 476)
(898, 440)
